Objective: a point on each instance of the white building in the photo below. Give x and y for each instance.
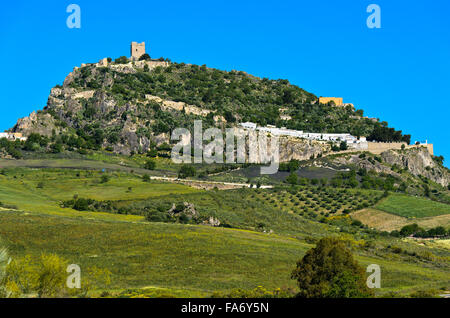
(12, 136)
(249, 125)
(351, 141)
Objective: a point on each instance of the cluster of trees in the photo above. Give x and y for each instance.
(230, 94)
(161, 214)
(382, 133)
(84, 204)
(351, 179)
(294, 179)
(345, 180)
(90, 137)
(342, 146)
(186, 171)
(234, 94)
(417, 231)
(290, 166)
(11, 147)
(45, 276)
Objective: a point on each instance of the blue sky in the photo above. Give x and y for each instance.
(399, 73)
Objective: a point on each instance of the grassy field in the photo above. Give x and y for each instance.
(157, 254)
(240, 208)
(270, 230)
(42, 190)
(384, 221)
(195, 259)
(412, 207)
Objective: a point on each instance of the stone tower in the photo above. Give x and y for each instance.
(137, 50)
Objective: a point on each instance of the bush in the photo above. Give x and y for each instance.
(424, 294)
(292, 179)
(157, 216)
(411, 229)
(343, 146)
(186, 171)
(121, 60)
(56, 148)
(152, 153)
(104, 178)
(145, 57)
(330, 271)
(150, 165)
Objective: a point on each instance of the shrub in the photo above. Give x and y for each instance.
(104, 178)
(411, 229)
(186, 171)
(145, 57)
(150, 165)
(292, 178)
(343, 146)
(121, 60)
(330, 271)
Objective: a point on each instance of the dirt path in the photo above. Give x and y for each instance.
(209, 184)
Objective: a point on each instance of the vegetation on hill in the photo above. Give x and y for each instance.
(329, 271)
(86, 194)
(119, 102)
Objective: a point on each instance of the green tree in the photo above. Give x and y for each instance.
(56, 148)
(150, 165)
(146, 178)
(292, 179)
(330, 271)
(145, 57)
(121, 60)
(152, 153)
(104, 178)
(186, 171)
(410, 229)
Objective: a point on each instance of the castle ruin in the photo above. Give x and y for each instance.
(137, 50)
(338, 101)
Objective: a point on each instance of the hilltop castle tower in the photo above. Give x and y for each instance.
(137, 50)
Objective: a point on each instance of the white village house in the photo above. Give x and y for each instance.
(12, 136)
(352, 141)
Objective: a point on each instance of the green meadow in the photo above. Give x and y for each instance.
(196, 259)
(43, 190)
(412, 207)
(266, 231)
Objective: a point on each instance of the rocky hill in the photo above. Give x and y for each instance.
(129, 106)
(400, 164)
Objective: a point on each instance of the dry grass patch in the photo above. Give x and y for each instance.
(384, 221)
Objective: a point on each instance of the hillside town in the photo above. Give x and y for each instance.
(13, 136)
(352, 141)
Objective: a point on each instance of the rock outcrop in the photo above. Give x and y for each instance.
(419, 162)
(301, 149)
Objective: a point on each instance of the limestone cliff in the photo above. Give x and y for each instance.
(418, 161)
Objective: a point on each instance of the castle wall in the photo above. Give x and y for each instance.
(379, 147)
(338, 101)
